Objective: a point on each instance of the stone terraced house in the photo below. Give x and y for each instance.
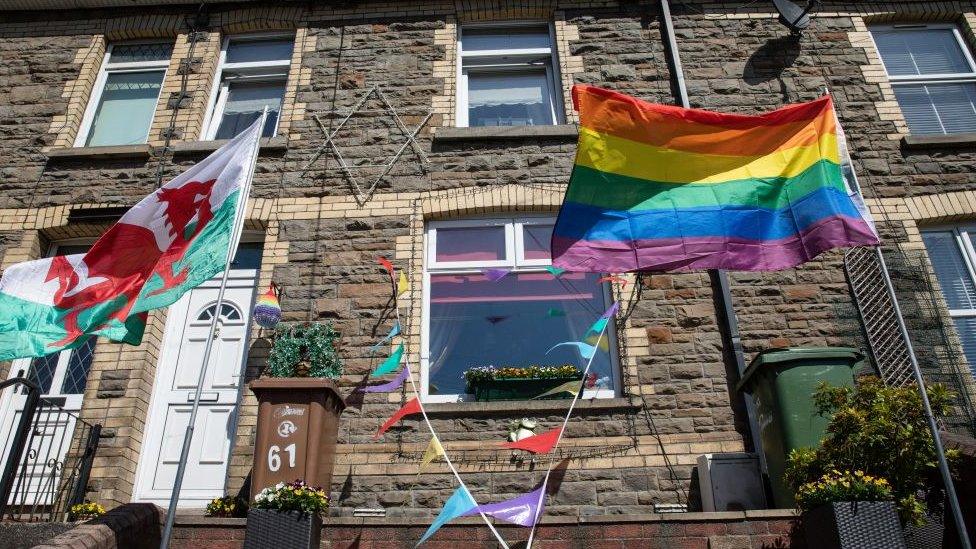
(100, 100)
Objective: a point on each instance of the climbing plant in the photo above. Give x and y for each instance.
(305, 350)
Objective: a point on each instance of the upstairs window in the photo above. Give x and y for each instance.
(933, 75)
(508, 76)
(474, 318)
(252, 75)
(125, 95)
(953, 257)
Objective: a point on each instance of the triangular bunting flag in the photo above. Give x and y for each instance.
(599, 325)
(434, 450)
(617, 279)
(612, 310)
(411, 407)
(394, 331)
(538, 444)
(555, 271)
(585, 350)
(392, 385)
(524, 510)
(572, 387)
(389, 364)
(458, 504)
(402, 285)
(495, 275)
(386, 265)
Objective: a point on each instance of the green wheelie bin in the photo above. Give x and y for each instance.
(782, 383)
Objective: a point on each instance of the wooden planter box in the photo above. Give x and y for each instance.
(270, 529)
(298, 423)
(854, 525)
(517, 388)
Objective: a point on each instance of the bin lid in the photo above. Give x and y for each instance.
(772, 357)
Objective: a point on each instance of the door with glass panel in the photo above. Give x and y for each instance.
(953, 255)
(62, 378)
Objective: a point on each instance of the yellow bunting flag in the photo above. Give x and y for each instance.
(434, 449)
(571, 387)
(402, 285)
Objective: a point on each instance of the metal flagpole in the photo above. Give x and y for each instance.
(236, 230)
(920, 382)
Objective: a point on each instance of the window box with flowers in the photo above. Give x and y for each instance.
(849, 510)
(286, 516)
(488, 383)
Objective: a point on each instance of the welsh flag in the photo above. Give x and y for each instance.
(168, 243)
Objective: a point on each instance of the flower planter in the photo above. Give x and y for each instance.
(517, 388)
(271, 529)
(854, 525)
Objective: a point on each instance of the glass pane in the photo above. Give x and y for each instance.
(474, 40)
(252, 51)
(248, 255)
(76, 376)
(140, 53)
(42, 371)
(950, 269)
(509, 99)
(908, 52)
(966, 326)
(535, 241)
(938, 108)
(471, 244)
(511, 322)
(125, 108)
(245, 101)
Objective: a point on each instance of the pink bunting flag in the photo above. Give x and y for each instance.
(537, 444)
(495, 275)
(524, 510)
(392, 385)
(411, 407)
(623, 282)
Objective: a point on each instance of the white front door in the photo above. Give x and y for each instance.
(177, 372)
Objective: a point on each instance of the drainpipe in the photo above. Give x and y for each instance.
(728, 322)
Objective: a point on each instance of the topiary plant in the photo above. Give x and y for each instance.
(305, 350)
(883, 432)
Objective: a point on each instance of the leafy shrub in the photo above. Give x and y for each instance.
(882, 431)
(305, 350)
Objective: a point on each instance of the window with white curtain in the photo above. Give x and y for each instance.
(508, 76)
(252, 75)
(933, 75)
(472, 319)
(125, 95)
(953, 257)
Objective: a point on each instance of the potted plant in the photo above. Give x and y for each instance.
(849, 510)
(881, 431)
(286, 516)
(227, 507)
(80, 512)
(298, 408)
(517, 383)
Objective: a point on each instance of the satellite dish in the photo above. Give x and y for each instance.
(792, 15)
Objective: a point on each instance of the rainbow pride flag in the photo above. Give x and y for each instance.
(663, 188)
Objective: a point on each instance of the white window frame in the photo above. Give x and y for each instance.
(513, 260)
(965, 245)
(256, 71)
(107, 68)
(940, 78)
(517, 60)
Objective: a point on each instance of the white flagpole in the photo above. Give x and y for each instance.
(236, 231)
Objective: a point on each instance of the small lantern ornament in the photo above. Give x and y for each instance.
(267, 311)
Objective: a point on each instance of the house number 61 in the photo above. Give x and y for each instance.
(274, 457)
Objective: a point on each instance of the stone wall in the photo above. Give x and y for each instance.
(322, 234)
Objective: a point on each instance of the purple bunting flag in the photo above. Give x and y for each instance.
(612, 310)
(523, 510)
(392, 385)
(495, 275)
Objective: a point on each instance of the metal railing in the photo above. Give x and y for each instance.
(49, 460)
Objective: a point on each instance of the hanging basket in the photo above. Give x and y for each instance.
(267, 311)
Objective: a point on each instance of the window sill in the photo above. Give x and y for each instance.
(105, 152)
(268, 144)
(939, 141)
(517, 407)
(482, 133)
